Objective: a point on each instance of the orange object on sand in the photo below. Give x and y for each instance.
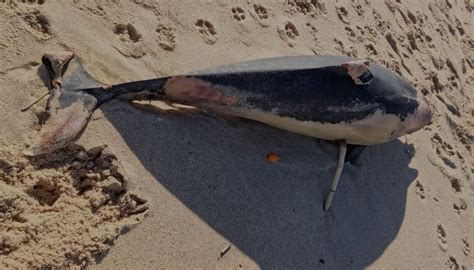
(272, 157)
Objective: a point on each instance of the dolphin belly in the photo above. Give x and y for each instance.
(374, 129)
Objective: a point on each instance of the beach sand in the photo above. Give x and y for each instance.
(141, 190)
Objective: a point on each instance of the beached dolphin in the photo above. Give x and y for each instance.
(336, 98)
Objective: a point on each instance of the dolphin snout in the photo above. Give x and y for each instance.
(420, 118)
(424, 113)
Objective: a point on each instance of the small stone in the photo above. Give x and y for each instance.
(93, 176)
(82, 172)
(90, 165)
(107, 154)
(138, 199)
(81, 156)
(96, 202)
(112, 184)
(95, 151)
(138, 210)
(105, 173)
(117, 171)
(76, 165)
(103, 163)
(86, 184)
(6, 245)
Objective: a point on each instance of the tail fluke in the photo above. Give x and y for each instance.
(69, 109)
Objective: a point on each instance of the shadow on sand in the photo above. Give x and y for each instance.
(273, 212)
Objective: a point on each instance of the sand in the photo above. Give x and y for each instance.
(142, 190)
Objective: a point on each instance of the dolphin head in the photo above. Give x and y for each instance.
(418, 119)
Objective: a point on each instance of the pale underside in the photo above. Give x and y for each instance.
(376, 128)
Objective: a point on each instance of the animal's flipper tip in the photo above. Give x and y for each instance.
(65, 124)
(29, 152)
(56, 63)
(69, 109)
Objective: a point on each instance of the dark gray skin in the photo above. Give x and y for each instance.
(319, 92)
(306, 87)
(302, 87)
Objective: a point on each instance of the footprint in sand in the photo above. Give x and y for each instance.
(443, 147)
(466, 248)
(461, 204)
(207, 31)
(370, 48)
(456, 184)
(313, 31)
(351, 33)
(343, 50)
(131, 41)
(441, 235)
(463, 66)
(391, 6)
(127, 33)
(451, 30)
(380, 23)
(411, 17)
(420, 190)
(452, 263)
(261, 14)
(462, 134)
(412, 36)
(392, 42)
(461, 30)
(312, 7)
(448, 162)
(39, 24)
(31, 2)
(288, 33)
(454, 109)
(452, 67)
(91, 7)
(339, 46)
(238, 13)
(358, 8)
(342, 14)
(166, 37)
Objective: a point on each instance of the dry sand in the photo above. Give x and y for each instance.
(213, 199)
